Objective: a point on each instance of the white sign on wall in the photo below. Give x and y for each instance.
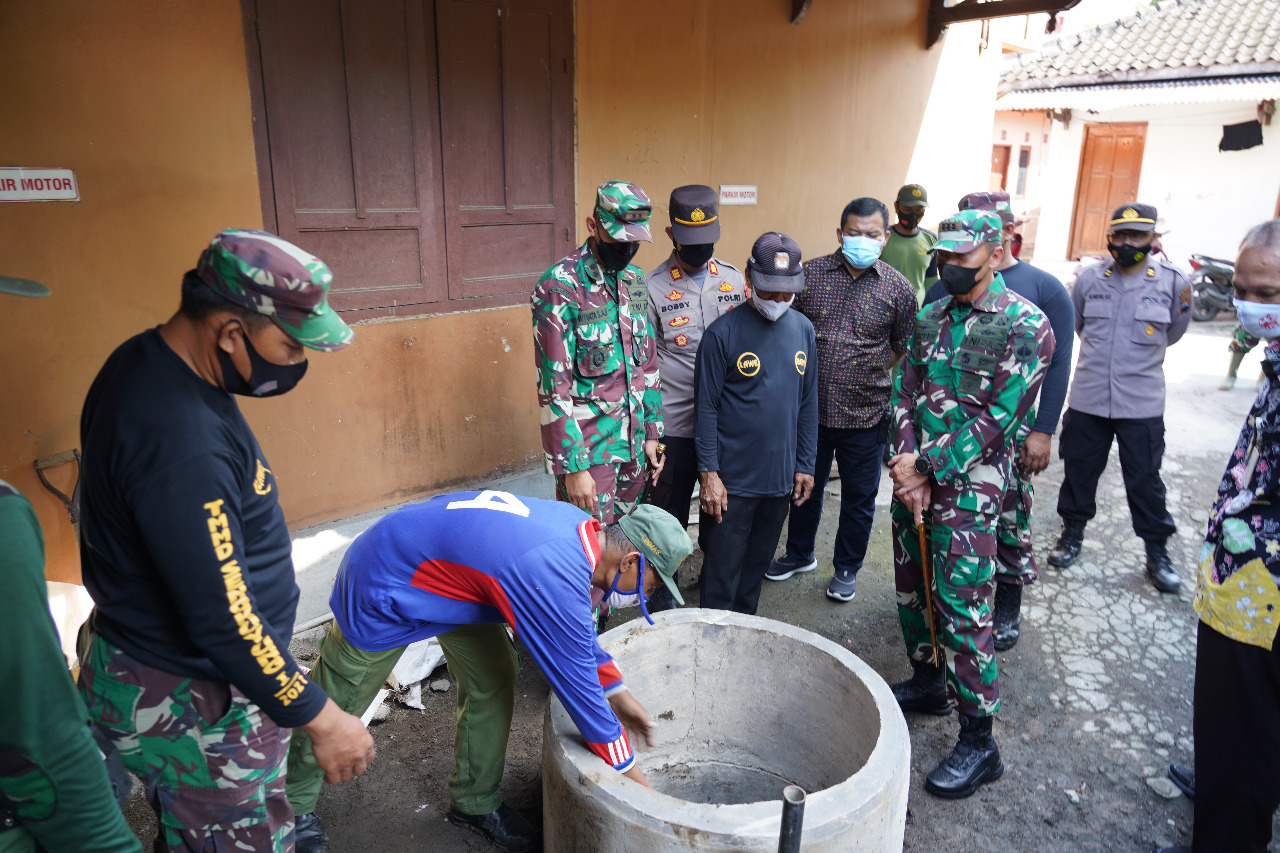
(737, 194)
(23, 184)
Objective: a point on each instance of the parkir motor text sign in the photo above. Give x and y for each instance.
(737, 194)
(18, 183)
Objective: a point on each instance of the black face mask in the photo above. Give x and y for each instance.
(697, 255)
(960, 280)
(266, 379)
(614, 256)
(1126, 255)
(909, 220)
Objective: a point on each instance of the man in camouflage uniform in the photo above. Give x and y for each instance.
(185, 664)
(971, 375)
(597, 361)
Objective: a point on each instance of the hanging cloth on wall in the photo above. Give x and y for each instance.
(1238, 137)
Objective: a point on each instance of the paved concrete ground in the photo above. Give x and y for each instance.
(1095, 697)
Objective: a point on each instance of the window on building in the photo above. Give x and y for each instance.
(422, 148)
(1024, 162)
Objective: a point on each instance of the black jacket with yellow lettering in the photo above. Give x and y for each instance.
(184, 546)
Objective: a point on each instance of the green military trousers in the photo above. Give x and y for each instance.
(483, 663)
(962, 557)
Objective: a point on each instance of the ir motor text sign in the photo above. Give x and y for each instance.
(18, 183)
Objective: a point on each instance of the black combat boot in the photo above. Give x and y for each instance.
(975, 760)
(925, 691)
(506, 829)
(1068, 548)
(310, 836)
(1160, 570)
(1008, 615)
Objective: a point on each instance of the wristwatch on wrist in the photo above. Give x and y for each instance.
(923, 468)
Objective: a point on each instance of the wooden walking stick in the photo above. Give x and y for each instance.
(926, 567)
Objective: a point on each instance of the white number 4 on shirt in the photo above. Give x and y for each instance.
(501, 501)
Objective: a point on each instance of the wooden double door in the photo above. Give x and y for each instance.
(1110, 165)
(422, 148)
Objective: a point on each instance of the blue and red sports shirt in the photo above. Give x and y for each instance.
(475, 557)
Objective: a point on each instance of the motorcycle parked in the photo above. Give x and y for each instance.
(1211, 286)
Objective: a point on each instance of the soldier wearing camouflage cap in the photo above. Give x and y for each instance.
(597, 362)
(971, 375)
(1128, 311)
(1015, 559)
(185, 551)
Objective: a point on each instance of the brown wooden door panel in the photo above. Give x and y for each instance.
(348, 97)
(487, 252)
(999, 168)
(527, 78)
(1110, 168)
(505, 101)
(423, 148)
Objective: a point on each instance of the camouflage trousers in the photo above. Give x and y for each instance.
(618, 487)
(213, 764)
(1015, 559)
(962, 555)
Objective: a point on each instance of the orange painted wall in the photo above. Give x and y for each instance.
(729, 91)
(148, 102)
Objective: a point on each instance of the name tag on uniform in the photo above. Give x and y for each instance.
(593, 315)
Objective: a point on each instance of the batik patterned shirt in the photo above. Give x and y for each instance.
(859, 324)
(1238, 593)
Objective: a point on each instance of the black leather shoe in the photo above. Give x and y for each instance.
(506, 829)
(309, 835)
(1160, 570)
(925, 692)
(1066, 550)
(1008, 616)
(974, 761)
(1185, 778)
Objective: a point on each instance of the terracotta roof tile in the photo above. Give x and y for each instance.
(1170, 38)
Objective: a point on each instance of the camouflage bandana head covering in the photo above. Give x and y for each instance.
(264, 273)
(967, 230)
(997, 201)
(623, 209)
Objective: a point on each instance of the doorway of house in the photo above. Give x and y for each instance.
(1110, 164)
(999, 168)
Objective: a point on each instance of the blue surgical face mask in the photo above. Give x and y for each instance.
(1260, 319)
(861, 251)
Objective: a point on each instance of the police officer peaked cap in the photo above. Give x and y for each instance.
(695, 215)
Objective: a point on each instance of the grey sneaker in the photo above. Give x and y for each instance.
(786, 566)
(843, 586)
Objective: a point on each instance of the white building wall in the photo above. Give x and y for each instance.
(952, 155)
(1207, 199)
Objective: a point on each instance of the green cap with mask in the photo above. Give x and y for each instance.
(662, 539)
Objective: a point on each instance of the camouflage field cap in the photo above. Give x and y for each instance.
(269, 275)
(997, 201)
(662, 539)
(967, 230)
(623, 210)
(912, 195)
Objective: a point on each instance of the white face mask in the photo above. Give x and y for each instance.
(616, 598)
(1260, 319)
(769, 309)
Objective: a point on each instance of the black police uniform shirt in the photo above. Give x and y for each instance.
(184, 546)
(1048, 294)
(756, 398)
